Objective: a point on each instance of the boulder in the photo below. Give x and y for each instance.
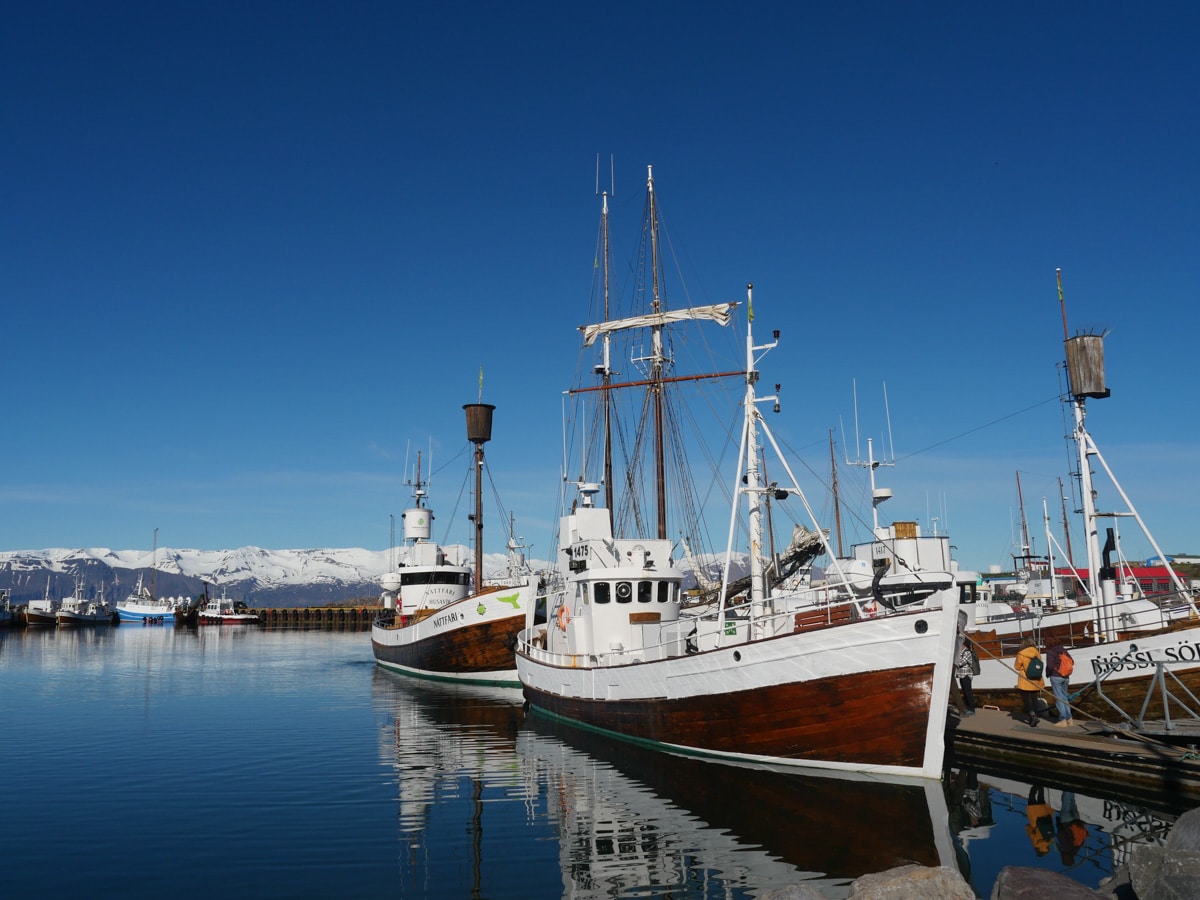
(1172, 871)
(1025, 883)
(905, 882)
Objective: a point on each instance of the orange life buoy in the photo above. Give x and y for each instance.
(564, 617)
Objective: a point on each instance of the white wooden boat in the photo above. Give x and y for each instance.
(802, 676)
(225, 611)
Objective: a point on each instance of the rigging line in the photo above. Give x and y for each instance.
(962, 434)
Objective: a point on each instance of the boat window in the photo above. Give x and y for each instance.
(600, 592)
(645, 591)
(433, 578)
(966, 593)
(624, 591)
(664, 592)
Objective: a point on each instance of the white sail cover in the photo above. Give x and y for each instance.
(717, 312)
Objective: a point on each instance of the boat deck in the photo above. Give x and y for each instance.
(1091, 755)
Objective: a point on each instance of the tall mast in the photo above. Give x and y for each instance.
(753, 479)
(606, 375)
(837, 508)
(657, 360)
(479, 432)
(1026, 549)
(1066, 526)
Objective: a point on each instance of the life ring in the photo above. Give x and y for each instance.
(564, 617)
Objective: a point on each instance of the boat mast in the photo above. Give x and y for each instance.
(753, 487)
(606, 375)
(657, 359)
(837, 509)
(479, 432)
(1066, 527)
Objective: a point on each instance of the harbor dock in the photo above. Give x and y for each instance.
(1083, 756)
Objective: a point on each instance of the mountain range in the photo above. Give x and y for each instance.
(262, 578)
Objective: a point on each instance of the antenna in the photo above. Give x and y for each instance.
(887, 412)
(857, 446)
(612, 175)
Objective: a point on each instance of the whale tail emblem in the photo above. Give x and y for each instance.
(512, 600)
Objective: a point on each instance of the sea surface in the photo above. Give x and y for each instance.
(237, 761)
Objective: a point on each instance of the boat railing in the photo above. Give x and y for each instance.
(1164, 685)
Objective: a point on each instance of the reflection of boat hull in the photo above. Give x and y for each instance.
(908, 821)
(470, 640)
(627, 817)
(228, 619)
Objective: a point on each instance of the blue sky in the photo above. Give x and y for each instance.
(255, 253)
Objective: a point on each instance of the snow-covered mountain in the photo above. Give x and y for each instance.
(261, 577)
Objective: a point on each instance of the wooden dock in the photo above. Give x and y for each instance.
(327, 617)
(1082, 756)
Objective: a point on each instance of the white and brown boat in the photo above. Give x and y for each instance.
(804, 676)
(434, 625)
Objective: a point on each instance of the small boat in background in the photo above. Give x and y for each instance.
(79, 610)
(43, 611)
(6, 610)
(226, 611)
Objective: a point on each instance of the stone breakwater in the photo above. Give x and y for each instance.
(1167, 872)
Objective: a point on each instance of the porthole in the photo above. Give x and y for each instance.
(624, 591)
(921, 626)
(737, 655)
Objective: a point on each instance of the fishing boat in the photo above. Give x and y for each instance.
(225, 611)
(433, 624)
(43, 611)
(1121, 641)
(80, 610)
(143, 607)
(769, 673)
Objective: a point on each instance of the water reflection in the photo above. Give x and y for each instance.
(629, 821)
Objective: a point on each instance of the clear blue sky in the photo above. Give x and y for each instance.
(255, 253)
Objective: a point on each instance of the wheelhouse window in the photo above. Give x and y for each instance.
(645, 591)
(601, 592)
(434, 578)
(664, 591)
(624, 591)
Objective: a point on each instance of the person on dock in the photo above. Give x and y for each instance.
(1029, 678)
(966, 665)
(1058, 670)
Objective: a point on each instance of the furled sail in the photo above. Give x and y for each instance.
(717, 312)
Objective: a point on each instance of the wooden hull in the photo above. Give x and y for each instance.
(865, 720)
(474, 652)
(864, 697)
(470, 640)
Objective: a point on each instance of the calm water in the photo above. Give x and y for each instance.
(243, 762)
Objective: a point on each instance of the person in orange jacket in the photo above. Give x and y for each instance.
(1029, 687)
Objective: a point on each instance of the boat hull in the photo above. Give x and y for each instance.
(863, 697)
(146, 612)
(1133, 663)
(470, 640)
(39, 619)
